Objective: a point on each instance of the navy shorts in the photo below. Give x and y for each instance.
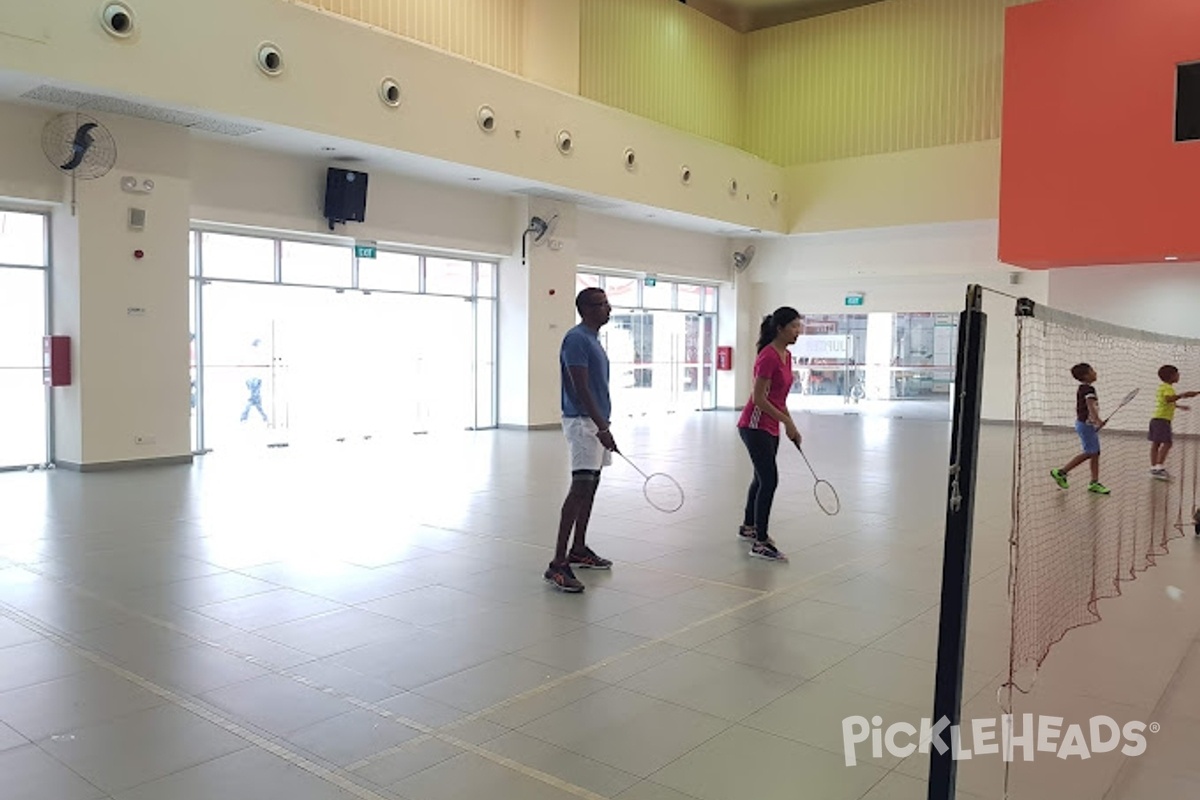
(1160, 431)
(1089, 437)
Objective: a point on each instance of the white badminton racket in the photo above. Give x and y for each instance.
(661, 490)
(823, 491)
(1124, 402)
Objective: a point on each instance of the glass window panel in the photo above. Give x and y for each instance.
(486, 285)
(22, 239)
(316, 264)
(485, 360)
(622, 292)
(710, 299)
(448, 276)
(586, 280)
(658, 296)
(397, 272)
(244, 258)
(691, 297)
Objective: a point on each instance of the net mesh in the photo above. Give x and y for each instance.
(1071, 548)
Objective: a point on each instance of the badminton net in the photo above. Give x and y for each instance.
(1071, 548)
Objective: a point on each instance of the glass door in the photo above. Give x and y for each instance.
(707, 362)
(23, 408)
(245, 364)
(443, 348)
(661, 342)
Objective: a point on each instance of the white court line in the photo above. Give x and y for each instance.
(428, 732)
(194, 707)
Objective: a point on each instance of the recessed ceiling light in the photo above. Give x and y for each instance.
(1172, 258)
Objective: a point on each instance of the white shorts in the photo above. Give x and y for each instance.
(587, 453)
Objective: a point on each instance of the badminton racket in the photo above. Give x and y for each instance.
(823, 491)
(661, 490)
(1124, 402)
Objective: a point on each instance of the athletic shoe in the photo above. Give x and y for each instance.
(768, 551)
(588, 560)
(1161, 474)
(562, 578)
(747, 534)
(1060, 477)
(1096, 487)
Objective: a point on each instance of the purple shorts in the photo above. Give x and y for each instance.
(1160, 431)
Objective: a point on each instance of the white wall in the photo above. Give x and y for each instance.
(202, 56)
(915, 268)
(130, 371)
(24, 172)
(243, 185)
(1164, 298)
(606, 241)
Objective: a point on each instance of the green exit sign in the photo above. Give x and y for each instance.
(854, 299)
(364, 250)
(651, 281)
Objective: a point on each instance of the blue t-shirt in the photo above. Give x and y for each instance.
(581, 348)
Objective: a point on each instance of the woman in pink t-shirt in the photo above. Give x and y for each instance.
(760, 421)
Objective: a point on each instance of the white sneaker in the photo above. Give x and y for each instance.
(1161, 474)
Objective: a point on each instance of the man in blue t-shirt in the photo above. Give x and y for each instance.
(586, 410)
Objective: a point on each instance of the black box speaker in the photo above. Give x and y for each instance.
(345, 196)
(1187, 103)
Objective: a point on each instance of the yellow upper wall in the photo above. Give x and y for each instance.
(488, 31)
(662, 60)
(889, 77)
(884, 78)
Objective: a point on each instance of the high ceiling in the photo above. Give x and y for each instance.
(750, 15)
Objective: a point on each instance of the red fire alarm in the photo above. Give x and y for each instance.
(56, 360)
(138, 254)
(724, 358)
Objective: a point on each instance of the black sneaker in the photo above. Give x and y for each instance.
(747, 534)
(588, 560)
(767, 550)
(562, 578)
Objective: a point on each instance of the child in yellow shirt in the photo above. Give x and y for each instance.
(1165, 403)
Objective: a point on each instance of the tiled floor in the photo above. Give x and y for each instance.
(367, 624)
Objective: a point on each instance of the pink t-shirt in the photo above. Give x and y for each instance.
(772, 366)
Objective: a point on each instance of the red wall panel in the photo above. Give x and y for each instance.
(1090, 170)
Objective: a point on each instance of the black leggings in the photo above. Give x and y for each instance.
(763, 448)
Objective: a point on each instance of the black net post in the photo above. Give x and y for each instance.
(956, 558)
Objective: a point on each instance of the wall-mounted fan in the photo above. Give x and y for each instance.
(79, 146)
(540, 230)
(742, 259)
